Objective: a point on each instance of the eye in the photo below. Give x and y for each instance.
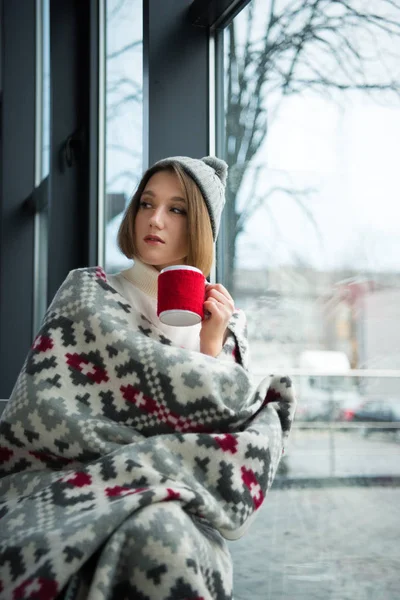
(144, 204)
(178, 211)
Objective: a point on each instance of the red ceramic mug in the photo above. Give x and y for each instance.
(181, 293)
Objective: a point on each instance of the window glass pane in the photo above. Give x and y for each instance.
(312, 238)
(313, 185)
(42, 160)
(45, 83)
(124, 117)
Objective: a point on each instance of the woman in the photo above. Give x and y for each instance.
(131, 449)
(170, 221)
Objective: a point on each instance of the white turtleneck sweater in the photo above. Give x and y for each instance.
(138, 285)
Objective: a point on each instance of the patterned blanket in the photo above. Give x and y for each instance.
(126, 461)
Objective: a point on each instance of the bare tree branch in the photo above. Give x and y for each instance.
(116, 53)
(115, 85)
(330, 47)
(115, 10)
(122, 175)
(115, 109)
(123, 149)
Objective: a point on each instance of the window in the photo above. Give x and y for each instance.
(124, 118)
(42, 158)
(311, 129)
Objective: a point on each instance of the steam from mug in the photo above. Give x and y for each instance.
(181, 291)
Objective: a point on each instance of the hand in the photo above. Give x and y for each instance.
(218, 309)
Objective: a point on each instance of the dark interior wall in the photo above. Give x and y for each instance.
(16, 184)
(70, 133)
(176, 122)
(70, 232)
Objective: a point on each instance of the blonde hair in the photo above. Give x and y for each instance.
(201, 244)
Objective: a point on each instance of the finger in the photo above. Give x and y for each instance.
(212, 306)
(213, 290)
(217, 295)
(217, 309)
(220, 288)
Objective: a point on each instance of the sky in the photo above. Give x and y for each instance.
(349, 156)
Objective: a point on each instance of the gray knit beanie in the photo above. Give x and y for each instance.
(210, 174)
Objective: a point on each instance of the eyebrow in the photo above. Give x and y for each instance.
(153, 195)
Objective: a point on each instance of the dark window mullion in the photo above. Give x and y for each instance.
(70, 133)
(18, 22)
(175, 82)
(215, 13)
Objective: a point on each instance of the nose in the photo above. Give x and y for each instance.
(157, 217)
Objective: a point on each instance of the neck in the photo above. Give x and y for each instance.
(143, 276)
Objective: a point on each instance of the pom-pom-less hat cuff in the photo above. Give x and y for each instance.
(210, 174)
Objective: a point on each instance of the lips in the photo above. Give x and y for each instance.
(153, 239)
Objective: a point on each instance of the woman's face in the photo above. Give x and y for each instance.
(161, 230)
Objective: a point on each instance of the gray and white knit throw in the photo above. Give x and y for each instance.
(126, 461)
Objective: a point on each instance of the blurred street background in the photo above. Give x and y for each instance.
(332, 537)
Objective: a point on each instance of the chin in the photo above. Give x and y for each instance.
(151, 259)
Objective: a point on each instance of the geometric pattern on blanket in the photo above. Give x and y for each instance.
(108, 422)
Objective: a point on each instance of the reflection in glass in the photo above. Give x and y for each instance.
(124, 117)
